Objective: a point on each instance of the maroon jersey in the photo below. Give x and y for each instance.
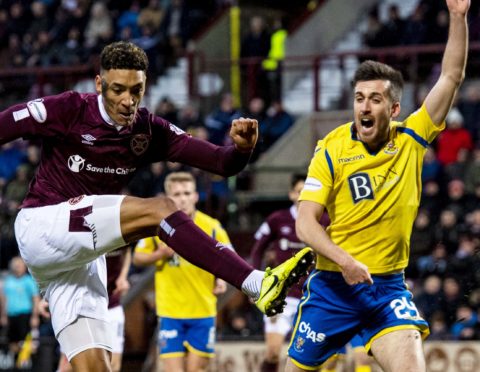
(83, 153)
(277, 234)
(115, 260)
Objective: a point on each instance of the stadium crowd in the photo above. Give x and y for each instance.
(444, 270)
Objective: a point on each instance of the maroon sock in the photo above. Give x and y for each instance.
(180, 233)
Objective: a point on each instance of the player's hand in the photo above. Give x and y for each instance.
(458, 6)
(122, 286)
(244, 133)
(163, 251)
(43, 310)
(355, 272)
(220, 287)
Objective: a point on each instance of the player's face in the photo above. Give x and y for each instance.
(373, 109)
(184, 195)
(122, 91)
(294, 193)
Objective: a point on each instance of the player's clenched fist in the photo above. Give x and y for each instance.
(244, 133)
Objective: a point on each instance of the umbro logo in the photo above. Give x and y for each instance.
(88, 139)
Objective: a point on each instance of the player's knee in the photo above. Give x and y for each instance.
(164, 206)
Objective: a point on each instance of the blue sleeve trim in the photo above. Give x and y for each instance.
(414, 135)
(329, 161)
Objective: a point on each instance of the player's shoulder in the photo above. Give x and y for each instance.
(335, 139)
(339, 134)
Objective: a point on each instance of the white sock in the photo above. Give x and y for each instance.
(253, 283)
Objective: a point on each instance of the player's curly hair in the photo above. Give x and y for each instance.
(372, 70)
(123, 55)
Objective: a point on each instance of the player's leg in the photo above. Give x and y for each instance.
(171, 349)
(199, 341)
(363, 362)
(276, 330)
(85, 343)
(146, 217)
(117, 320)
(196, 363)
(97, 360)
(395, 335)
(400, 351)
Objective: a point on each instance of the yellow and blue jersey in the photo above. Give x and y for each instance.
(184, 290)
(371, 198)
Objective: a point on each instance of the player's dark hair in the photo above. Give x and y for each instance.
(372, 70)
(123, 55)
(296, 178)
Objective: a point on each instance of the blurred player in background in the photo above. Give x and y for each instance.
(92, 145)
(276, 241)
(367, 175)
(186, 299)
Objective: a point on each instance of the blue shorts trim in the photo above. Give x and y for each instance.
(332, 312)
(176, 337)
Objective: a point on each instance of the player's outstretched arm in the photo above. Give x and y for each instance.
(310, 231)
(440, 98)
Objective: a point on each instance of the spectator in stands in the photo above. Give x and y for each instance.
(453, 297)
(438, 327)
(432, 169)
(469, 105)
(166, 109)
(465, 262)
(151, 15)
(128, 19)
(185, 294)
(372, 36)
(40, 20)
(175, 31)
(393, 29)
(457, 200)
(272, 65)
(466, 323)
(99, 30)
(430, 298)
(217, 122)
(255, 46)
(447, 230)
(190, 117)
(415, 27)
(453, 140)
(21, 301)
(421, 240)
(432, 199)
(277, 122)
(436, 262)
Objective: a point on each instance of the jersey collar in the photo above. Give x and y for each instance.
(105, 115)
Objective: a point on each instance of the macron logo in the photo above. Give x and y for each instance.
(88, 139)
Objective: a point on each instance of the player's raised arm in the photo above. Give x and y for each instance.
(440, 98)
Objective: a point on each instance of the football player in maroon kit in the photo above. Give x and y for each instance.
(91, 146)
(275, 242)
